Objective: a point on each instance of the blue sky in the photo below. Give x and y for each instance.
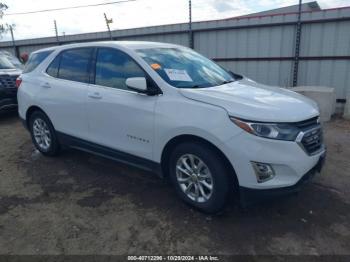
(129, 15)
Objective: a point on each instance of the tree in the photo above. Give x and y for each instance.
(6, 27)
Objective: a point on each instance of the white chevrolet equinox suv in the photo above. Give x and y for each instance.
(169, 110)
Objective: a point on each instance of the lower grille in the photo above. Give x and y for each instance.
(312, 140)
(8, 81)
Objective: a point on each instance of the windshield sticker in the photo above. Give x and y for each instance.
(178, 75)
(156, 66)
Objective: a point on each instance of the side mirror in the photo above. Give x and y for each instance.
(138, 84)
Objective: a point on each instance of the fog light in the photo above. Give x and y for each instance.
(263, 172)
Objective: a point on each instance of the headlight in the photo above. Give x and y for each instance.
(268, 130)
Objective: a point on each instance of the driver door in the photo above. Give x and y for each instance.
(119, 118)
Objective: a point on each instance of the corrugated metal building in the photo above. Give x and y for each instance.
(261, 47)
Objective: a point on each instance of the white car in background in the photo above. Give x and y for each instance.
(167, 109)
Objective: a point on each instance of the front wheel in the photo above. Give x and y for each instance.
(43, 134)
(200, 176)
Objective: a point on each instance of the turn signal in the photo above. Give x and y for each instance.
(242, 125)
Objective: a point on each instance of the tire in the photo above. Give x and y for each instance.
(207, 200)
(41, 126)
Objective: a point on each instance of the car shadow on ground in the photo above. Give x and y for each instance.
(8, 116)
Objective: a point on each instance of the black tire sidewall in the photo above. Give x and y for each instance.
(221, 181)
(54, 147)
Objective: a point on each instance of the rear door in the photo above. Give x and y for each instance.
(119, 118)
(64, 89)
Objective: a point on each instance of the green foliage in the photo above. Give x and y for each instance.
(3, 7)
(3, 28)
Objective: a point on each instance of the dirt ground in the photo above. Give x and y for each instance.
(82, 204)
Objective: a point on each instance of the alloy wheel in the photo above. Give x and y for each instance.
(42, 134)
(194, 178)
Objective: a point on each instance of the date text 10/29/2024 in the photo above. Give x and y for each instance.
(173, 258)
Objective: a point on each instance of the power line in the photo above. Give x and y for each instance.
(70, 7)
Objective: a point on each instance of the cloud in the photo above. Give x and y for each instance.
(333, 3)
(223, 6)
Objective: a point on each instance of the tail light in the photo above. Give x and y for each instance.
(18, 81)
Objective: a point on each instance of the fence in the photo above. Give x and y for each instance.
(262, 47)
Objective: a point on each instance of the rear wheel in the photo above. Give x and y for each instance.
(200, 176)
(43, 134)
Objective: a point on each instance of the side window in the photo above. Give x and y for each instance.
(113, 67)
(52, 70)
(74, 65)
(35, 60)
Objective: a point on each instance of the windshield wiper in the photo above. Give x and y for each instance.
(226, 82)
(194, 86)
(201, 86)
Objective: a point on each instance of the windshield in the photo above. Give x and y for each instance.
(15, 62)
(184, 68)
(5, 63)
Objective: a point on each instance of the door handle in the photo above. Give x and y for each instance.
(95, 95)
(46, 85)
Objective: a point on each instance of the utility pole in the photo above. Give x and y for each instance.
(297, 47)
(108, 21)
(190, 32)
(56, 31)
(13, 41)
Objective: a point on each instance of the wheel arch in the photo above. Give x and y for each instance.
(172, 143)
(30, 111)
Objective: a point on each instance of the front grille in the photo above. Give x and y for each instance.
(312, 140)
(310, 137)
(307, 124)
(8, 81)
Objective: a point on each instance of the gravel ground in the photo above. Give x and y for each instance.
(78, 203)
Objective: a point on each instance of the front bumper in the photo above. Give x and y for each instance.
(250, 196)
(8, 104)
(8, 98)
(287, 158)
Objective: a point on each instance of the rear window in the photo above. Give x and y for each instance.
(35, 60)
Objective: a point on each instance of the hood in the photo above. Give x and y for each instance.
(249, 100)
(11, 72)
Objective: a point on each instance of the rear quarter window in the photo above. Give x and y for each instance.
(35, 60)
(52, 70)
